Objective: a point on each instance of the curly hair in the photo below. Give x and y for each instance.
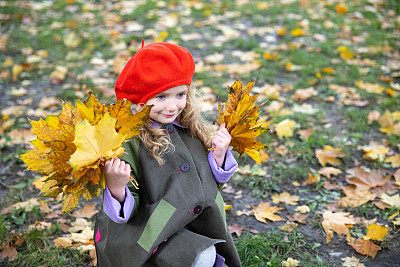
(158, 142)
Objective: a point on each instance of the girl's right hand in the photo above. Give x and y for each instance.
(117, 174)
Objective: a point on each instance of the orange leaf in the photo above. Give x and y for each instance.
(365, 247)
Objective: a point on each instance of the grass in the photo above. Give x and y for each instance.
(270, 249)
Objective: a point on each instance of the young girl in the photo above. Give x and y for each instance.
(177, 216)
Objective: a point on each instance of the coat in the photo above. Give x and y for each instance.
(178, 211)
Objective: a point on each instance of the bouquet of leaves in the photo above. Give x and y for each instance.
(71, 147)
(241, 118)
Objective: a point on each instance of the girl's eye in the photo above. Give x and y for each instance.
(160, 97)
(181, 95)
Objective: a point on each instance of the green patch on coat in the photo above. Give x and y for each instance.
(221, 206)
(156, 224)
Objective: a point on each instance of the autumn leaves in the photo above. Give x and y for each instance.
(71, 147)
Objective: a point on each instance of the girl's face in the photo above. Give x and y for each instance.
(168, 104)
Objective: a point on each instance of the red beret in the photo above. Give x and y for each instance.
(153, 69)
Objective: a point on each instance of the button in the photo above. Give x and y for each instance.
(169, 128)
(185, 167)
(198, 209)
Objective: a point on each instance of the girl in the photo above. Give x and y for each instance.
(177, 216)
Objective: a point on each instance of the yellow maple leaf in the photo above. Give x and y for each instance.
(264, 211)
(94, 143)
(285, 128)
(338, 222)
(370, 87)
(286, 198)
(376, 232)
(394, 160)
(375, 151)
(241, 118)
(328, 171)
(329, 155)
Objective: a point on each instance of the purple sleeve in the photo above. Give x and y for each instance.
(112, 207)
(230, 165)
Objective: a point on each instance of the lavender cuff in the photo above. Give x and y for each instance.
(219, 261)
(230, 165)
(112, 207)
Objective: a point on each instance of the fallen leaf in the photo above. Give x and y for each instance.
(285, 128)
(373, 116)
(8, 251)
(237, 229)
(393, 201)
(375, 151)
(394, 160)
(264, 211)
(328, 171)
(370, 87)
(338, 222)
(303, 209)
(312, 179)
(88, 211)
(286, 198)
(329, 155)
(341, 8)
(304, 94)
(306, 133)
(62, 242)
(352, 262)
(364, 179)
(376, 232)
(297, 217)
(290, 262)
(355, 198)
(288, 227)
(365, 247)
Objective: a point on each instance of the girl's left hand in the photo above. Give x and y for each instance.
(221, 142)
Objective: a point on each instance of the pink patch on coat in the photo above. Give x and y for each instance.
(98, 235)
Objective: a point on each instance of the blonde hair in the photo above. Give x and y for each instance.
(158, 141)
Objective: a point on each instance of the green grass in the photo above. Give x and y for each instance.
(270, 249)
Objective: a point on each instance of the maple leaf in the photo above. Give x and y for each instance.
(237, 229)
(71, 147)
(286, 198)
(364, 179)
(290, 262)
(338, 222)
(241, 118)
(328, 171)
(365, 247)
(394, 160)
(374, 151)
(285, 128)
(393, 201)
(376, 232)
(329, 155)
(355, 198)
(264, 211)
(352, 262)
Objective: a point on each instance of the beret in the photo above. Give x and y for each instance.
(153, 69)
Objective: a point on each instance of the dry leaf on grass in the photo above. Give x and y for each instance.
(236, 229)
(393, 201)
(328, 171)
(365, 247)
(286, 198)
(355, 198)
(352, 262)
(285, 128)
(329, 155)
(364, 179)
(264, 211)
(376, 232)
(338, 222)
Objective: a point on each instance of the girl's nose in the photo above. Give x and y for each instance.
(171, 105)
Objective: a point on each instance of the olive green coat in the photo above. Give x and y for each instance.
(178, 210)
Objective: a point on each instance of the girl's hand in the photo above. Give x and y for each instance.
(117, 174)
(221, 142)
